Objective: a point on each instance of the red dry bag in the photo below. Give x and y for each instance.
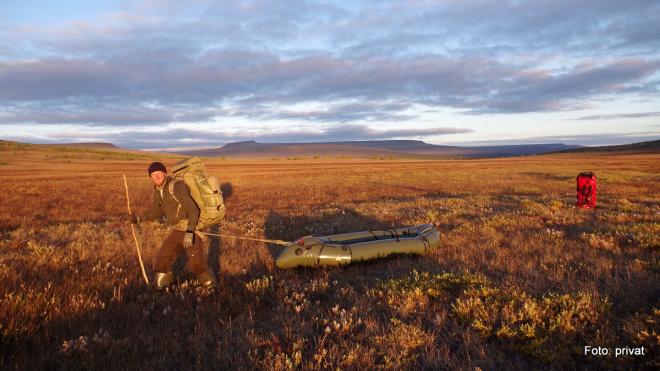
(586, 190)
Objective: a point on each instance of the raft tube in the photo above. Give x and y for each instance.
(345, 248)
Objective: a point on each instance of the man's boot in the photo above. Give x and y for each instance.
(207, 278)
(164, 279)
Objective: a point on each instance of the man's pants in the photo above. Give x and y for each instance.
(172, 247)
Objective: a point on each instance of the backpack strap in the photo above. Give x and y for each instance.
(170, 187)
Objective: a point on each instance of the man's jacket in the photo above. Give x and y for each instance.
(174, 211)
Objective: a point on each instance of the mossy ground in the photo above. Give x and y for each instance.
(522, 279)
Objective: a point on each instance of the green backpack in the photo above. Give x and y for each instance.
(204, 189)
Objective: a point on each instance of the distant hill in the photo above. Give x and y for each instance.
(640, 147)
(89, 145)
(84, 150)
(254, 149)
(401, 149)
(379, 148)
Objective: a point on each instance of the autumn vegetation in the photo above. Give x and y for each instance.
(522, 279)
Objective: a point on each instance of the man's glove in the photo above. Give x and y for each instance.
(188, 239)
(134, 219)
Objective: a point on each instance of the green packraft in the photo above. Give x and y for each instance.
(204, 189)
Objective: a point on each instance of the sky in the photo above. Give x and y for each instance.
(166, 74)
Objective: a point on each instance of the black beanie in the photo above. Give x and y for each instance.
(156, 166)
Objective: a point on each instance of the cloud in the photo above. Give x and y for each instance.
(620, 116)
(368, 111)
(159, 62)
(540, 90)
(260, 84)
(587, 28)
(99, 114)
(60, 79)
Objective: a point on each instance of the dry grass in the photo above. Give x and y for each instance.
(522, 279)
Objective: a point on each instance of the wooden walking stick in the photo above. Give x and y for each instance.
(137, 245)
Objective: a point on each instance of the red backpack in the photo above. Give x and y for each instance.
(586, 190)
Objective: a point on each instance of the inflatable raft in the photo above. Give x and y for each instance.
(345, 248)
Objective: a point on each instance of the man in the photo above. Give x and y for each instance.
(175, 208)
